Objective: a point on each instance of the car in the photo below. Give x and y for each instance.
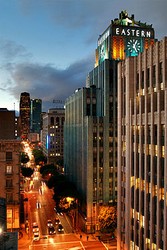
(49, 223)
(36, 236)
(58, 211)
(57, 221)
(35, 227)
(51, 230)
(60, 228)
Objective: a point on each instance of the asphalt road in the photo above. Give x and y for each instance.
(40, 208)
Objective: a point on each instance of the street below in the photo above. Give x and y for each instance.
(40, 208)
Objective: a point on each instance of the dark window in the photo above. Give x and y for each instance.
(57, 120)
(9, 183)
(160, 72)
(155, 134)
(88, 110)
(148, 78)
(52, 121)
(94, 109)
(154, 77)
(142, 80)
(137, 82)
(8, 156)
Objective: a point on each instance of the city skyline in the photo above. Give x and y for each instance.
(47, 48)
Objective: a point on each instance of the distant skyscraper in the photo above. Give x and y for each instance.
(24, 114)
(52, 134)
(142, 150)
(35, 120)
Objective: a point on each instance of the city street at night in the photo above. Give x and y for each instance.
(40, 208)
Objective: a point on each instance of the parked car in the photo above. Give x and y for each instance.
(35, 227)
(58, 211)
(51, 230)
(49, 223)
(57, 221)
(36, 236)
(60, 228)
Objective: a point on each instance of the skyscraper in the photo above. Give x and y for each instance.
(24, 115)
(35, 118)
(142, 150)
(92, 134)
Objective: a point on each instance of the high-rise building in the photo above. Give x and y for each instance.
(35, 119)
(142, 150)
(52, 136)
(24, 115)
(90, 157)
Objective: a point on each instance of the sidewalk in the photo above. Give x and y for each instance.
(85, 237)
(111, 244)
(25, 241)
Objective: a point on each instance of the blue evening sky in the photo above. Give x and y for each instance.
(47, 47)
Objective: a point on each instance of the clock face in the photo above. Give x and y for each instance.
(133, 47)
(102, 51)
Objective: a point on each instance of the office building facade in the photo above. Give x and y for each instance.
(52, 136)
(142, 150)
(124, 37)
(24, 115)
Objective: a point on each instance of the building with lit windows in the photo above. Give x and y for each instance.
(10, 181)
(90, 156)
(52, 136)
(35, 116)
(142, 150)
(24, 115)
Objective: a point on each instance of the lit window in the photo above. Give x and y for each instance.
(155, 190)
(163, 151)
(8, 169)
(156, 150)
(162, 193)
(162, 86)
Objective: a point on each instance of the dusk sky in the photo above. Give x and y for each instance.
(47, 47)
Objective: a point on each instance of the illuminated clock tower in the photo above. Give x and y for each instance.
(123, 38)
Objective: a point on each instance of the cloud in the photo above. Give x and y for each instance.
(10, 50)
(95, 15)
(47, 82)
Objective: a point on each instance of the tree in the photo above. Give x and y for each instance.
(39, 156)
(108, 218)
(27, 172)
(48, 169)
(24, 158)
